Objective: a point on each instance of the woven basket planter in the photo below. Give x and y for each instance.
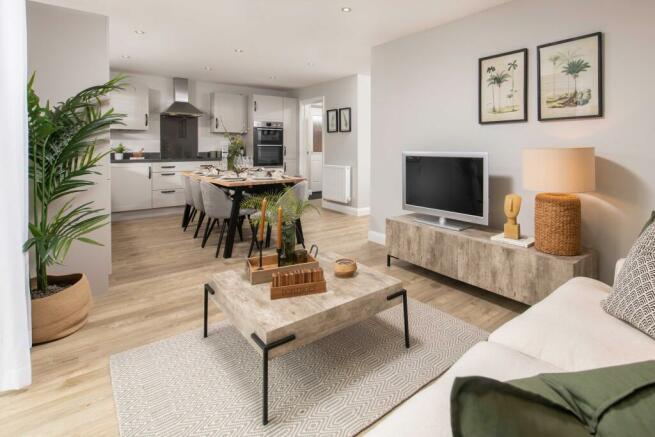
(557, 224)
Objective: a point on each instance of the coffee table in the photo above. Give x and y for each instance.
(277, 327)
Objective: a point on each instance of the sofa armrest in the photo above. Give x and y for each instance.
(617, 269)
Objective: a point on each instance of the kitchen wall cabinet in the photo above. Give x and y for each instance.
(290, 135)
(229, 112)
(134, 103)
(131, 187)
(267, 108)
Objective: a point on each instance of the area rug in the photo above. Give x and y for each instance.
(190, 386)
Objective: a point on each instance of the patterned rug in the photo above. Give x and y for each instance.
(190, 386)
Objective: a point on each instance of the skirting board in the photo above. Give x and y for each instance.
(377, 237)
(345, 209)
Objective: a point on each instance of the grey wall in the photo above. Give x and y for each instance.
(69, 52)
(342, 148)
(424, 97)
(161, 97)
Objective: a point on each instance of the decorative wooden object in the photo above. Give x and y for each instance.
(512, 209)
(523, 274)
(344, 268)
(269, 266)
(557, 224)
(298, 283)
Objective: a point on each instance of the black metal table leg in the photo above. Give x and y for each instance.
(233, 223)
(389, 259)
(208, 290)
(265, 348)
(402, 293)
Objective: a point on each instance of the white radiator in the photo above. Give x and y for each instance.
(336, 183)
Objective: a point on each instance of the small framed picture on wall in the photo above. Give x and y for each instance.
(570, 74)
(502, 87)
(332, 120)
(344, 120)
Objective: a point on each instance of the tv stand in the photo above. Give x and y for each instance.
(522, 274)
(442, 222)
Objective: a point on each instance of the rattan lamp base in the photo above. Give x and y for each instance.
(557, 223)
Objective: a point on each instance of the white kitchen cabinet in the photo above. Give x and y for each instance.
(134, 103)
(131, 187)
(167, 198)
(291, 167)
(267, 108)
(229, 112)
(290, 129)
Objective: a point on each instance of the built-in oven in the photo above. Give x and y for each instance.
(268, 144)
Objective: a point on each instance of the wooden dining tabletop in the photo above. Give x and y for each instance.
(249, 182)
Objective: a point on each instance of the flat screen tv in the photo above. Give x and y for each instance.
(448, 187)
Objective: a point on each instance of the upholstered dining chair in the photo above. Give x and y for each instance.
(197, 203)
(189, 208)
(218, 206)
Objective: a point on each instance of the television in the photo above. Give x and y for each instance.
(447, 189)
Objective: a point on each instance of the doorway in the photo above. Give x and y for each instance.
(312, 141)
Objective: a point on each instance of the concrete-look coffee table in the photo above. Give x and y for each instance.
(277, 327)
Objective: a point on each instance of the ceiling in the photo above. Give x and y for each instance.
(284, 43)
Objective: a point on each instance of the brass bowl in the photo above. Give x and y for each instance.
(344, 268)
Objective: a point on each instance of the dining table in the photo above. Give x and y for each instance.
(237, 187)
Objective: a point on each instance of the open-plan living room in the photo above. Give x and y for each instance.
(316, 218)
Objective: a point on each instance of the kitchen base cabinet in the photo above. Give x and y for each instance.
(168, 198)
(131, 187)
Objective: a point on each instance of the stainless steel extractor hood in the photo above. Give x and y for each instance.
(181, 106)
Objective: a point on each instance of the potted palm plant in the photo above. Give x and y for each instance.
(62, 154)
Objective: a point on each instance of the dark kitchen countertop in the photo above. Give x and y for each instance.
(156, 157)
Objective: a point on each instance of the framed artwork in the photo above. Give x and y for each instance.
(570, 74)
(332, 120)
(344, 120)
(502, 87)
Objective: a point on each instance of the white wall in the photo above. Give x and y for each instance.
(161, 97)
(68, 50)
(347, 148)
(424, 97)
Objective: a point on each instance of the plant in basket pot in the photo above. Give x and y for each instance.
(62, 154)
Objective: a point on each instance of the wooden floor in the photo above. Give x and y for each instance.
(156, 292)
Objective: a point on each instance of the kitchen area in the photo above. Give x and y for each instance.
(174, 125)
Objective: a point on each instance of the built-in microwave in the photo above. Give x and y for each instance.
(268, 144)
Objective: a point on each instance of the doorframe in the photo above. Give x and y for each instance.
(304, 164)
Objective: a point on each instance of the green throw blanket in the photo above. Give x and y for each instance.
(611, 401)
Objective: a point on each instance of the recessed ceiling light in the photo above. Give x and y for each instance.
(238, 50)
(125, 56)
(140, 32)
(310, 64)
(208, 68)
(346, 9)
(272, 77)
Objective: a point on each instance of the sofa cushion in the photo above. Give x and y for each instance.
(633, 297)
(427, 413)
(570, 330)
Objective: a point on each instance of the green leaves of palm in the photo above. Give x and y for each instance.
(62, 155)
(498, 79)
(512, 65)
(575, 66)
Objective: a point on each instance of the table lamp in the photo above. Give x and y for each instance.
(556, 173)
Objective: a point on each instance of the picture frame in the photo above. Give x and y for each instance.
(332, 120)
(570, 63)
(503, 87)
(344, 120)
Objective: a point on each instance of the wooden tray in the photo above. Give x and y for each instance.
(269, 262)
(298, 290)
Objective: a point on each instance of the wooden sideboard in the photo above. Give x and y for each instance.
(524, 275)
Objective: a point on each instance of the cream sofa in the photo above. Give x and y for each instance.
(567, 331)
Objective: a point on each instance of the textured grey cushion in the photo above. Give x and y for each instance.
(633, 296)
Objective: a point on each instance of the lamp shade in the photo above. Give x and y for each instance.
(559, 170)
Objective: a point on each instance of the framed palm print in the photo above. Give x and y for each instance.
(502, 87)
(344, 120)
(570, 74)
(332, 120)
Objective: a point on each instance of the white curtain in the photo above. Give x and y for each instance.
(15, 331)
